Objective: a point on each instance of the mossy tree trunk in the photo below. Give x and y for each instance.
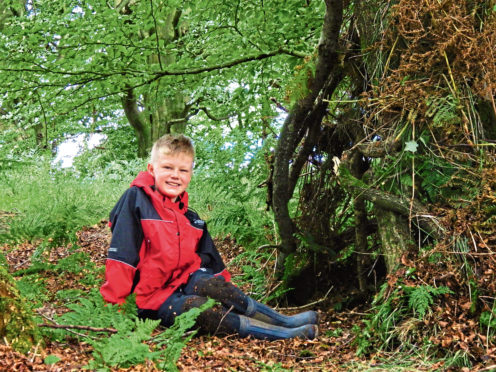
(17, 326)
(153, 114)
(395, 237)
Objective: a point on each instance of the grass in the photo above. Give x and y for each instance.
(52, 204)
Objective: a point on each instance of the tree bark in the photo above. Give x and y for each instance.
(361, 222)
(158, 116)
(306, 113)
(395, 236)
(138, 123)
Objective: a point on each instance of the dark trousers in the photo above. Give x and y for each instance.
(201, 285)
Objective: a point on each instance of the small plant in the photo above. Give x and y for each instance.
(393, 306)
(33, 289)
(125, 348)
(421, 298)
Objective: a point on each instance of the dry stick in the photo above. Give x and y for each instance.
(273, 289)
(85, 328)
(35, 352)
(68, 330)
(308, 305)
(222, 319)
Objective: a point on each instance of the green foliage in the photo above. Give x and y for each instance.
(33, 289)
(51, 359)
(74, 263)
(393, 307)
(94, 312)
(133, 343)
(421, 298)
(443, 111)
(299, 86)
(3, 261)
(487, 322)
(173, 338)
(53, 204)
(125, 348)
(108, 48)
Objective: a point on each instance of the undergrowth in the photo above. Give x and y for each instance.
(53, 204)
(135, 341)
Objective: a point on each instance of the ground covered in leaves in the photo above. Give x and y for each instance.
(334, 350)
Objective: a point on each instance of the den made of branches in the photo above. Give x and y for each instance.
(385, 164)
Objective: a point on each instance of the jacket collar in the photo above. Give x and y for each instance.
(146, 182)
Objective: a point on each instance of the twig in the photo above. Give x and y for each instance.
(222, 319)
(35, 351)
(85, 328)
(310, 304)
(273, 290)
(488, 368)
(278, 104)
(269, 246)
(68, 330)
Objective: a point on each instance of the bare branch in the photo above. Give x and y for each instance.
(85, 328)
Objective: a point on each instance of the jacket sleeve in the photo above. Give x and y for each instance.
(123, 254)
(209, 255)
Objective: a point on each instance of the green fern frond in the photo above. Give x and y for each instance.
(421, 298)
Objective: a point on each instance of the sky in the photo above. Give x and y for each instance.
(68, 149)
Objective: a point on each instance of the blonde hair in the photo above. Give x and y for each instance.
(172, 144)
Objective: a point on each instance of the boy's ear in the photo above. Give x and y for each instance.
(149, 168)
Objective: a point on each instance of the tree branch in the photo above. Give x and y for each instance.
(390, 202)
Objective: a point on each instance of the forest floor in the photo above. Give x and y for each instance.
(333, 350)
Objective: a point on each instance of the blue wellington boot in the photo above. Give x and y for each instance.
(268, 315)
(264, 331)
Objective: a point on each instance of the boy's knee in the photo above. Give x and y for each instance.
(192, 302)
(206, 285)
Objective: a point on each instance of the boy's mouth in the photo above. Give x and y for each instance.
(172, 184)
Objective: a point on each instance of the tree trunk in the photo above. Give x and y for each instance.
(306, 115)
(156, 115)
(17, 326)
(395, 237)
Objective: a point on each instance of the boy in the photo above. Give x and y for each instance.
(162, 251)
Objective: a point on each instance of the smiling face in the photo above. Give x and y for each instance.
(172, 173)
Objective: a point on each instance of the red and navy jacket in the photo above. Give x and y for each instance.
(156, 244)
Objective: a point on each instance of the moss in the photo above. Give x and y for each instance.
(17, 325)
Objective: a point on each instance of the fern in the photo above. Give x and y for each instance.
(173, 338)
(94, 312)
(131, 344)
(125, 348)
(421, 298)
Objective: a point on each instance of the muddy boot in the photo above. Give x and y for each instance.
(268, 315)
(216, 321)
(231, 296)
(264, 331)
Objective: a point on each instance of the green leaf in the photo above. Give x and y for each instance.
(411, 146)
(51, 359)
